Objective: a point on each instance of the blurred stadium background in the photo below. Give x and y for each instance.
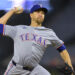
(61, 18)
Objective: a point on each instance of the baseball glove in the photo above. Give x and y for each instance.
(67, 70)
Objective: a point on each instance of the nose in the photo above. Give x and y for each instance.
(40, 14)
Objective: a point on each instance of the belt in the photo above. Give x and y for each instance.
(24, 68)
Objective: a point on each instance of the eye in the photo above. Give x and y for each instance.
(42, 12)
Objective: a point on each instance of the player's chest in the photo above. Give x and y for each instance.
(34, 36)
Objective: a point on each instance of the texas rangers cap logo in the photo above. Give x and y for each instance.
(40, 5)
(37, 7)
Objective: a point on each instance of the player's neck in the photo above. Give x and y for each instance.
(35, 24)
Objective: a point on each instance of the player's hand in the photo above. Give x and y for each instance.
(18, 10)
(67, 70)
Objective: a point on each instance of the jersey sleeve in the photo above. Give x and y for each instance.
(1, 28)
(55, 41)
(8, 30)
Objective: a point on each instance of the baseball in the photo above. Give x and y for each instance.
(18, 9)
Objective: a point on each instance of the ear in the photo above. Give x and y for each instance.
(31, 15)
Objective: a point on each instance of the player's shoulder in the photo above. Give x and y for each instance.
(48, 29)
(22, 26)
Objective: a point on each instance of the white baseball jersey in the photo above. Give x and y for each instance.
(30, 43)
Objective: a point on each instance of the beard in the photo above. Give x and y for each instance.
(39, 21)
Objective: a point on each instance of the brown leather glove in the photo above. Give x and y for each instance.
(67, 70)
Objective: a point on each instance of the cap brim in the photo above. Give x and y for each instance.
(43, 9)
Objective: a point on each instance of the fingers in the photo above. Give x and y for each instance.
(18, 10)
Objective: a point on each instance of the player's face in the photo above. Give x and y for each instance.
(38, 16)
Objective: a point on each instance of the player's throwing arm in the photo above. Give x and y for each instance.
(15, 10)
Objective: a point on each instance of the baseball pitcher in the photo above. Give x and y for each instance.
(30, 43)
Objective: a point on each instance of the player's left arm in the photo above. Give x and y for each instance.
(59, 45)
(65, 55)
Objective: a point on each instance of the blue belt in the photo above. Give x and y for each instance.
(24, 68)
